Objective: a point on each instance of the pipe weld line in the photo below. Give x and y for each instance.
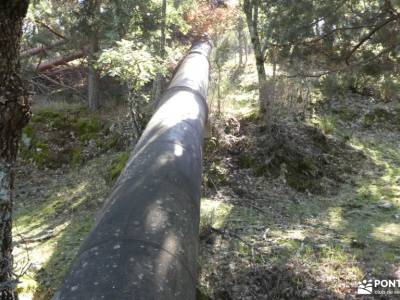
(169, 128)
(146, 143)
(141, 148)
(187, 89)
(201, 53)
(152, 244)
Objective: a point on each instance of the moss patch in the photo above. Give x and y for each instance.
(116, 167)
(88, 127)
(53, 213)
(65, 136)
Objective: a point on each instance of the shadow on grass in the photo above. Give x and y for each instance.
(281, 244)
(141, 218)
(51, 226)
(307, 248)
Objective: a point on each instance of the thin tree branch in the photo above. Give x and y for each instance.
(333, 31)
(51, 30)
(369, 35)
(61, 84)
(60, 61)
(342, 69)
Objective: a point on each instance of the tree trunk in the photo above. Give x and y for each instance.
(92, 12)
(93, 78)
(14, 114)
(246, 49)
(240, 40)
(158, 83)
(59, 61)
(158, 87)
(163, 28)
(250, 8)
(219, 91)
(262, 78)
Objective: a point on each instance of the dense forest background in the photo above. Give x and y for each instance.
(302, 157)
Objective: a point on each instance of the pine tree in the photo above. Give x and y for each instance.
(14, 114)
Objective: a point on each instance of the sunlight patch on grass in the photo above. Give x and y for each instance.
(334, 217)
(238, 88)
(295, 234)
(77, 192)
(333, 253)
(26, 287)
(387, 232)
(35, 219)
(240, 108)
(213, 213)
(49, 227)
(326, 123)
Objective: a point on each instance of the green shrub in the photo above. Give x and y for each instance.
(334, 84)
(87, 128)
(328, 124)
(116, 167)
(390, 88)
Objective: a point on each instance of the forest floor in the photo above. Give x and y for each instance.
(308, 217)
(69, 160)
(304, 219)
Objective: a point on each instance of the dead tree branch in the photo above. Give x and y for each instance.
(60, 61)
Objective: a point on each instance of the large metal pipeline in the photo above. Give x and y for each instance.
(144, 243)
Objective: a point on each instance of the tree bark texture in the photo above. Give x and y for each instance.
(14, 114)
(163, 28)
(93, 77)
(241, 38)
(159, 81)
(92, 8)
(250, 8)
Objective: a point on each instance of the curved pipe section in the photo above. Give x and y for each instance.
(144, 243)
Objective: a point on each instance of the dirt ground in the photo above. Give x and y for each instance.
(303, 213)
(274, 228)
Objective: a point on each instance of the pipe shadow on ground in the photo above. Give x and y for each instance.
(167, 215)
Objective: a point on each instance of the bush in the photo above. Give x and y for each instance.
(385, 87)
(335, 84)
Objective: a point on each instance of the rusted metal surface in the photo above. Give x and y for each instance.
(144, 243)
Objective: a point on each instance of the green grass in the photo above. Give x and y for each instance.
(116, 166)
(341, 236)
(58, 134)
(66, 216)
(327, 124)
(64, 213)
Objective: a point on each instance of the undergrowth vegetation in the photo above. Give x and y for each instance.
(303, 202)
(301, 177)
(69, 160)
(67, 136)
